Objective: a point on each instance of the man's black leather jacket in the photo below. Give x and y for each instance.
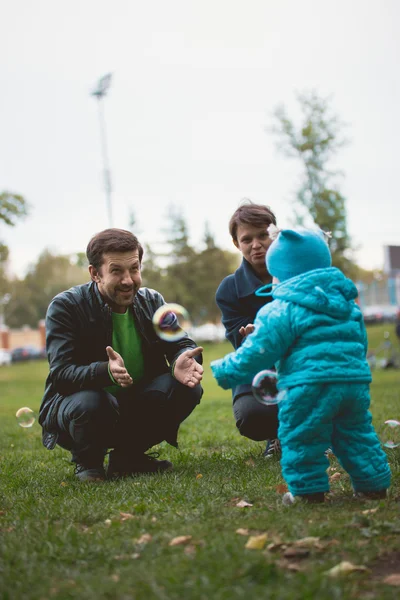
(78, 329)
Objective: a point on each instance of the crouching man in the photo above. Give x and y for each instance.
(113, 384)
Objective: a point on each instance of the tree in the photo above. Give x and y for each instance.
(12, 208)
(315, 141)
(50, 275)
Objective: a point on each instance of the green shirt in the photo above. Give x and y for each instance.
(126, 341)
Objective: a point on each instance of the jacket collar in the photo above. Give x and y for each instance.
(246, 280)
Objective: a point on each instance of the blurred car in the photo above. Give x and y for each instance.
(5, 357)
(27, 353)
(381, 313)
(209, 332)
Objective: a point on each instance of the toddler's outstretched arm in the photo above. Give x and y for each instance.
(260, 350)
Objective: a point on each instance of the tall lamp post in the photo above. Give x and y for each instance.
(99, 92)
(3, 301)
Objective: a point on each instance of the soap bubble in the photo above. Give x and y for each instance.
(391, 434)
(171, 322)
(25, 417)
(264, 388)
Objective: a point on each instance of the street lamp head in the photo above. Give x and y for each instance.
(102, 86)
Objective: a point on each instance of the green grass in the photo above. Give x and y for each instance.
(63, 539)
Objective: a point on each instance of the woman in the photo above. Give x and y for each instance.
(239, 305)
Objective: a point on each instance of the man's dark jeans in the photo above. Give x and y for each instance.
(254, 420)
(92, 421)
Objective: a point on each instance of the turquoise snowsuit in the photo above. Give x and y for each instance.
(313, 333)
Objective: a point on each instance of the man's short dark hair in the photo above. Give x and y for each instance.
(111, 240)
(250, 213)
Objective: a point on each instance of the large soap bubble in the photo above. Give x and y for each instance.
(264, 388)
(171, 322)
(25, 417)
(391, 434)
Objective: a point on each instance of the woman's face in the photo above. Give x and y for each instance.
(253, 243)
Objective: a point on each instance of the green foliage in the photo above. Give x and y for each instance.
(190, 277)
(12, 208)
(32, 295)
(315, 141)
(67, 540)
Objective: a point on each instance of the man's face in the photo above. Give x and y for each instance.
(118, 278)
(253, 243)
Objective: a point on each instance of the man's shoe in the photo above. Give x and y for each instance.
(89, 474)
(122, 466)
(273, 448)
(377, 495)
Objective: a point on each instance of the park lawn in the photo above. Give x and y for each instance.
(64, 539)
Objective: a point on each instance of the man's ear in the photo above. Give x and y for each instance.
(94, 274)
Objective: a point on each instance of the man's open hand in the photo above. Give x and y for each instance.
(187, 370)
(117, 368)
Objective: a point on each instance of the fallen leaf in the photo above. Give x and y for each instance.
(291, 566)
(135, 555)
(107, 522)
(335, 476)
(63, 484)
(144, 539)
(393, 579)
(180, 539)
(242, 531)
(307, 542)
(153, 519)
(115, 577)
(370, 511)
(125, 516)
(343, 568)
(243, 504)
(190, 550)
(199, 476)
(296, 552)
(275, 546)
(257, 542)
(2, 512)
(282, 488)
(250, 462)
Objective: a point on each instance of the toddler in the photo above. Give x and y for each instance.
(314, 334)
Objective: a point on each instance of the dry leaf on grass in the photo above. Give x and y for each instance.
(393, 579)
(296, 552)
(309, 542)
(144, 539)
(190, 550)
(282, 488)
(257, 542)
(344, 568)
(370, 511)
(180, 539)
(125, 516)
(107, 522)
(242, 531)
(199, 476)
(243, 504)
(291, 566)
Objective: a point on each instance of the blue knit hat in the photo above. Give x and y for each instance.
(297, 251)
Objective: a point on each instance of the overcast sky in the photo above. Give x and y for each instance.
(194, 85)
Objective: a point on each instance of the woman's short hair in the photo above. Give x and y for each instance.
(253, 214)
(111, 240)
